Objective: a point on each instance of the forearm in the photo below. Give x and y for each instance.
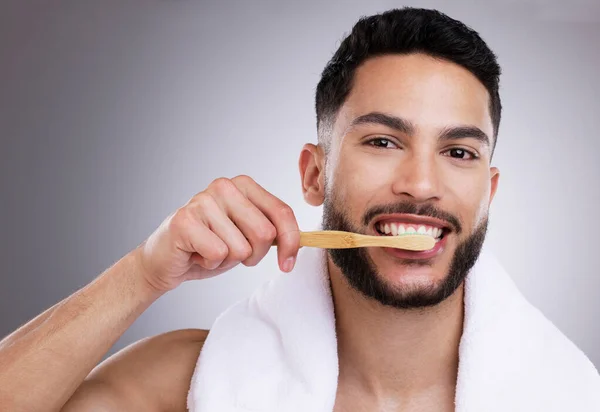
(44, 363)
(28, 327)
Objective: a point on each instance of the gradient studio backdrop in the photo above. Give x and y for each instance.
(115, 113)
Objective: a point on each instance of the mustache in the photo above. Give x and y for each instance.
(426, 210)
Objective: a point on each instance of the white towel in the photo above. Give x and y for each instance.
(277, 351)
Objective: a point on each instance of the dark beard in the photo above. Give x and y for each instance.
(361, 273)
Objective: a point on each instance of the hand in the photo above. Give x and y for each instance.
(233, 221)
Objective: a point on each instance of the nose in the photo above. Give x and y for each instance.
(417, 177)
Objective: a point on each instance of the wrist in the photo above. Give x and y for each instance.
(143, 284)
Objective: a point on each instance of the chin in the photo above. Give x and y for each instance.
(412, 274)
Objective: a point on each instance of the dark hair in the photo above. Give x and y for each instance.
(404, 31)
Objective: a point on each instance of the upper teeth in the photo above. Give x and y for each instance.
(401, 228)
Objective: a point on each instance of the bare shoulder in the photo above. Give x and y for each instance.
(152, 374)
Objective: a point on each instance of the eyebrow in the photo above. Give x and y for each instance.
(462, 132)
(393, 122)
(404, 126)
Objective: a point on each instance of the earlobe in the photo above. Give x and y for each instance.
(311, 165)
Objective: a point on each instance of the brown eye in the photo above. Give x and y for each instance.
(458, 153)
(382, 142)
(461, 154)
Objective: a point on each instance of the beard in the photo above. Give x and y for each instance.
(361, 273)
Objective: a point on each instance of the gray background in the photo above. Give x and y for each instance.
(115, 113)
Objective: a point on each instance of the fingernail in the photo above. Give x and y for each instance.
(288, 265)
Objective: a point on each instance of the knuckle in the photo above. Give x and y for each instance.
(180, 219)
(223, 185)
(266, 233)
(285, 211)
(202, 200)
(243, 179)
(220, 252)
(242, 253)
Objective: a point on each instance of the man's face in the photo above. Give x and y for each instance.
(409, 141)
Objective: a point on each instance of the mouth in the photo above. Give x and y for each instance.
(397, 225)
(402, 224)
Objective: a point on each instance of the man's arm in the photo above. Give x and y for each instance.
(152, 375)
(233, 221)
(29, 326)
(68, 340)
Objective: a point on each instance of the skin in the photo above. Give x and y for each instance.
(47, 364)
(390, 359)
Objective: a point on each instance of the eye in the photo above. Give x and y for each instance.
(382, 142)
(461, 154)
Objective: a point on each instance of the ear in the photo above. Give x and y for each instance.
(494, 176)
(312, 174)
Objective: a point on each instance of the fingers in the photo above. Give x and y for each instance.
(252, 223)
(218, 221)
(246, 219)
(192, 236)
(279, 214)
(216, 245)
(232, 221)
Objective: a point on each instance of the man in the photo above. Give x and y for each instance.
(408, 112)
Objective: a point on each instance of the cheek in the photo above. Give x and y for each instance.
(473, 197)
(367, 170)
(355, 188)
(483, 204)
(482, 210)
(360, 180)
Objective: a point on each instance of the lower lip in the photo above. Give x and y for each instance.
(425, 254)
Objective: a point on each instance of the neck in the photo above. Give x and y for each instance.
(389, 352)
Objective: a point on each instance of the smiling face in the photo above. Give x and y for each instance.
(410, 147)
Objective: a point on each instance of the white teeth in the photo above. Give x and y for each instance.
(395, 229)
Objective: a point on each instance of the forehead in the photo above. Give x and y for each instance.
(429, 92)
